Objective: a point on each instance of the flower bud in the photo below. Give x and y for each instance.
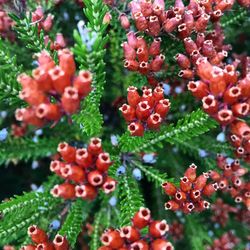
(130, 233)
(136, 129)
(128, 112)
(103, 162)
(73, 173)
(95, 178)
(154, 26)
(155, 47)
(161, 244)
(83, 83)
(86, 192)
(37, 235)
(169, 188)
(154, 121)
(124, 21)
(172, 205)
(65, 191)
(158, 229)
(67, 152)
(67, 62)
(142, 218)
(210, 104)
(183, 61)
(157, 63)
(112, 239)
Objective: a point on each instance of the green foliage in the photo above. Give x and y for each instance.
(92, 59)
(46, 4)
(72, 226)
(28, 34)
(95, 242)
(196, 233)
(102, 55)
(15, 227)
(235, 17)
(207, 143)
(21, 211)
(192, 125)
(130, 198)
(26, 149)
(152, 174)
(9, 70)
(25, 201)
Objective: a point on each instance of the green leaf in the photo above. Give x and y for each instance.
(90, 118)
(9, 70)
(72, 226)
(152, 174)
(192, 125)
(130, 199)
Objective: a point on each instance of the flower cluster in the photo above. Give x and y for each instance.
(18, 131)
(240, 139)
(131, 237)
(226, 241)
(223, 96)
(221, 212)
(53, 90)
(46, 23)
(190, 196)
(6, 23)
(41, 240)
(84, 171)
(43, 23)
(141, 57)
(145, 112)
(230, 180)
(151, 16)
(176, 230)
(243, 216)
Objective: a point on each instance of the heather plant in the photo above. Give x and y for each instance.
(124, 124)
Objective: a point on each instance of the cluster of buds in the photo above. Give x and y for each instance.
(190, 196)
(131, 238)
(221, 212)
(52, 82)
(6, 23)
(140, 57)
(244, 3)
(43, 23)
(84, 170)
(243, 216)
(209, 45)
(240, 139)
(152, 18)
(176, 230)
(41, 240)
(230, 180)
(225, 94)
(224, 97)
(57, 44)
(145, 112)
(46, 23)
(18, 131)
(227, 241)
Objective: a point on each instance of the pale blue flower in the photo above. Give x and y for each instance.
(113, 201)
(3, 134)
(221, 137)
(137, 174)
